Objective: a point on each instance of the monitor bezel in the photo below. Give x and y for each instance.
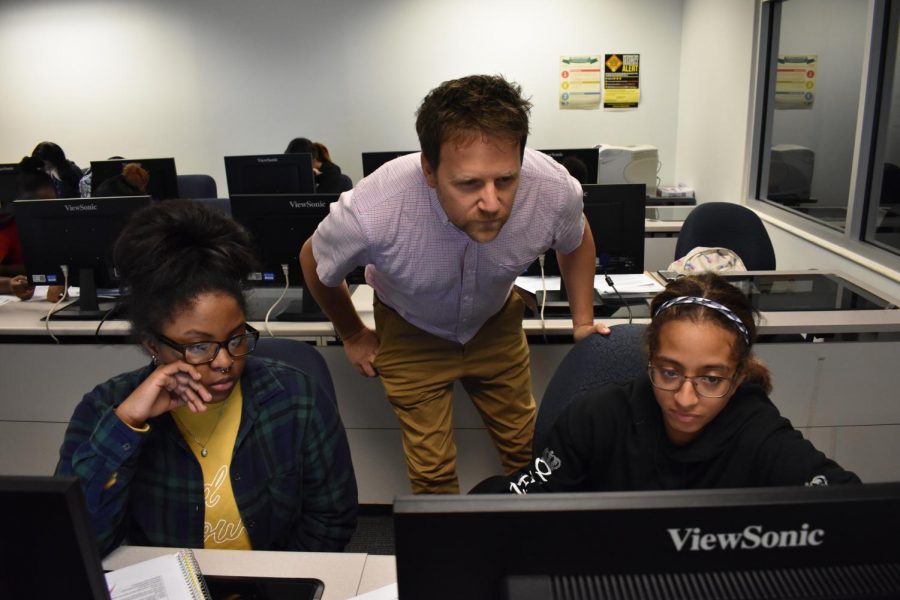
(234, 166)
(163, 184)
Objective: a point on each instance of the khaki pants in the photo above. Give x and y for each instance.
(418, 369)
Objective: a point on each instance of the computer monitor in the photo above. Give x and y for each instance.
(616, 215)
(47, 544)
(797, 542)
(790, 174)
(629, 164)
(587, 156)
(79, 233)
(372, 160)
(278, 225)
(163, 183)
(9, 181)
(270, 174)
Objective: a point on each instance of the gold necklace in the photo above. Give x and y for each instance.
(203, 451)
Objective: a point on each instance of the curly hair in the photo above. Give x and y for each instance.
(170, 253)
(478, 103)
(715, 288)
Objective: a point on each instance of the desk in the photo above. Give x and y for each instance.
(42, 383)
(344, 575)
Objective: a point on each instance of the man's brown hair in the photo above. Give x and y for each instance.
(485, 104)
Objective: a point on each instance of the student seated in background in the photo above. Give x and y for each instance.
(700, 418)
(328, 174)
(207, 446)
(64, 172)
(132, 181)
(32, 183)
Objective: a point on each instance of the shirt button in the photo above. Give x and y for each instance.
(126, 446)
(236, 476)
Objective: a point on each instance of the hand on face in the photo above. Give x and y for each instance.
(169, 386)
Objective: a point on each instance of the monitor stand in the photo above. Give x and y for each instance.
(88, 306)
(297, 306)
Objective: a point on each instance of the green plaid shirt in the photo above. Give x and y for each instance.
(291, 472)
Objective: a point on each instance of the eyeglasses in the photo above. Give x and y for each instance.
(708, 386)
(202, 353)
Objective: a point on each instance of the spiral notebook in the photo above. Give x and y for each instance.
(169, 577)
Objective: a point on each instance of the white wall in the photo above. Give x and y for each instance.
(203, 79)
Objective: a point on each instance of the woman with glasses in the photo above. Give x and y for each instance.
(207, 446)
(700, 418)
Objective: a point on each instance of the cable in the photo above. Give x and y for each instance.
(609, 282)
(105, 316)
(65, 292)
(287, 283)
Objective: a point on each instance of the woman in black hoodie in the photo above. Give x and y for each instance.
(700, 418)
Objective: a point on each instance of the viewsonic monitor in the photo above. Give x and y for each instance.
(163, 183)
(270, 174)
(616, 215)
(797, 542)
(47, 544)
(79, 233)
(372, 160)
(9, 180)
(278, 225)
(587, 156)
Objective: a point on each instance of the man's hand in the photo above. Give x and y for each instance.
(580, 332)
(361, 348)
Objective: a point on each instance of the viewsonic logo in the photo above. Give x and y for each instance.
(752, 537)
(270, 159)
(305, 204)
(79, 207)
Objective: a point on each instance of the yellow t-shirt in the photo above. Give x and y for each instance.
(216, 430)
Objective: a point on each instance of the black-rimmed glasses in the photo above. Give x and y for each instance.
(201, 353)
(708, 386)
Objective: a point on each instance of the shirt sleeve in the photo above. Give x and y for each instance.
(570, 224)
(101, 451)
(787, 458)
(340, 243)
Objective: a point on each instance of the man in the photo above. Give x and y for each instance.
(443, 235)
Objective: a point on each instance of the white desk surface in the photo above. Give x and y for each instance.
(23, 318)
(344, 575)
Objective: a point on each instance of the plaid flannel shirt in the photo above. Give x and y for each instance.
(291, 471)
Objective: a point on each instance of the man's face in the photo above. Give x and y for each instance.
(476, 182)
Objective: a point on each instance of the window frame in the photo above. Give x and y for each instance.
(869, 140)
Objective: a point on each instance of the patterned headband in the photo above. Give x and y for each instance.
(729, 314)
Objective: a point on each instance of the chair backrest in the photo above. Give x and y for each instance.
(728, 225)
(346, 183)
(303, 356)
(592, 362)
(196, 186)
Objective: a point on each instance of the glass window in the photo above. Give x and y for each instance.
(808, 156)
(883, 226)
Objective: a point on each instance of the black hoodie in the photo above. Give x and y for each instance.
(614, 440)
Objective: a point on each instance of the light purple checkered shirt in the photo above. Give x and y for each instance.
(426, 269)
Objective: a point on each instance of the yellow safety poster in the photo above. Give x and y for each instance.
(795, 80)
(579, 82)
(622, 81)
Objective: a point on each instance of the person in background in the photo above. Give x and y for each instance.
(16, 286)
(207, 446)
(443, 235)
(65, 173)
(700, 418)
(576, 168)
(328, 174)
(132, 181)
(32, 183)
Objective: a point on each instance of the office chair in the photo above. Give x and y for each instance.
(728, 225)
(346, 183)
(592, 362)
(196, 186)
(304, 357)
